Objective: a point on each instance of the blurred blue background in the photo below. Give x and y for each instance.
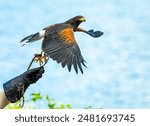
(118, 73)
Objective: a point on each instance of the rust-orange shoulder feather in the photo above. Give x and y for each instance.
(67, 35)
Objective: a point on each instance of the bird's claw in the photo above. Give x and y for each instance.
(40, 58)
(94, 34)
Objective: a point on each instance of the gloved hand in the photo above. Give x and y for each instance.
(16, 87)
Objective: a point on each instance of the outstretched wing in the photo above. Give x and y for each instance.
(62, 47)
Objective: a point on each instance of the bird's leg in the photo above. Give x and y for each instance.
(91, 32)
(38, 58)
(41, 58)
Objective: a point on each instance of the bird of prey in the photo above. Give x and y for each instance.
(59, 42)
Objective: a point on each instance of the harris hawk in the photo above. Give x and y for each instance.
(59, 43)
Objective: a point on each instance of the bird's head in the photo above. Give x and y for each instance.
(76, 21)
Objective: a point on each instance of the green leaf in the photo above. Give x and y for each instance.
(61, 106)
(36, 96)
(68, 106)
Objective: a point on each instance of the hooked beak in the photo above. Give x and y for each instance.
(82, 19)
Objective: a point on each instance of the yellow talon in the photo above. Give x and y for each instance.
(41, 58)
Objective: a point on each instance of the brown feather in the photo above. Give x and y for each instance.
(59, 43)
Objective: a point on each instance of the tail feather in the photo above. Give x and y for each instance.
(33, 37)
(30, 37)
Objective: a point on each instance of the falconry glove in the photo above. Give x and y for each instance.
(15, 88)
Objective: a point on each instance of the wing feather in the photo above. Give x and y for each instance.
(59, 43)
(75, 64)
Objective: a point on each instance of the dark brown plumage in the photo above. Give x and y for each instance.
(59, 43)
